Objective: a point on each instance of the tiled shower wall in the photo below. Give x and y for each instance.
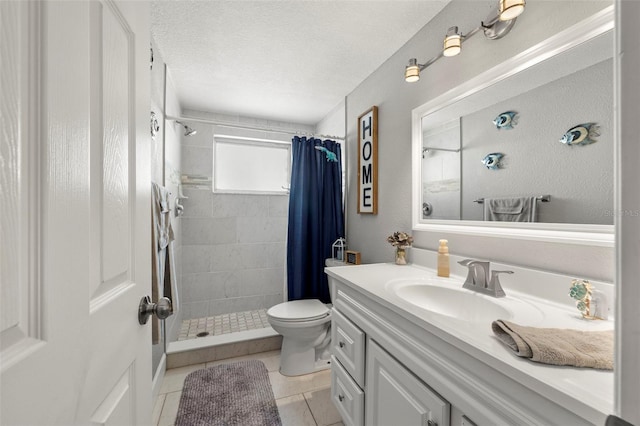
(233, 253)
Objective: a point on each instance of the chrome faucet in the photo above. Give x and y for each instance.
(478, 278)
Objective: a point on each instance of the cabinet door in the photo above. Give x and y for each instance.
(394, 396)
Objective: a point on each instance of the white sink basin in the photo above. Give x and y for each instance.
(448, 298)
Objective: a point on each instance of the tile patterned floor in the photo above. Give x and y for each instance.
(223, 324)
(301, 400)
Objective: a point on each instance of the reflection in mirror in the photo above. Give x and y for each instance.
(579, 178)
(530, 164)
(441, 171)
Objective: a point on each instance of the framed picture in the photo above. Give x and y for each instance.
(368, 162)
(353, 257)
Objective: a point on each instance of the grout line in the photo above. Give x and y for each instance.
(224, 324)
(164, 400)
(310, 410)
(175, 416)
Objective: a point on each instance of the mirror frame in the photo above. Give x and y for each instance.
(584, 234)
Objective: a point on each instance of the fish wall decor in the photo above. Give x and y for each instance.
(492, 161)
(582, 134)
(507, 120)
(330, 155)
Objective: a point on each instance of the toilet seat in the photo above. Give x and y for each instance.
(299, 310)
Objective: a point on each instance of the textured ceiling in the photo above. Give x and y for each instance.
(287, 60)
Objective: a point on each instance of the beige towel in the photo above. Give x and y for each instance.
(592, 349)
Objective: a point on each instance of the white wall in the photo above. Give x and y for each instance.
(628, 204)
(333, 124)
(396, 99)
(157, 106)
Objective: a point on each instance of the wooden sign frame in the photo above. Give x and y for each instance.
(368, 161)
(353, 257)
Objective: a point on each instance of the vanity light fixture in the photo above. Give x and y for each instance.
(452, 42)
(412, 71)
(511, 9)
(498, 24)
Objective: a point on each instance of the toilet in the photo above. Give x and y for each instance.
(305, 326)
(306, 335)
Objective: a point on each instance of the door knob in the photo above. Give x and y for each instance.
(162, 309)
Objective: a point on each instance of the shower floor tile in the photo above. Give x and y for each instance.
(223, 324)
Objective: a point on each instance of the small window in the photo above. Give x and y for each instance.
(248, 165)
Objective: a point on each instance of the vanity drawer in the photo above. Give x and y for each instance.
(346, 395)
(347, 345)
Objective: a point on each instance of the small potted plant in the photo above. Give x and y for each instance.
(401, 241)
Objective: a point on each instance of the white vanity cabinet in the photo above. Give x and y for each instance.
(369, 386)
(390, 367)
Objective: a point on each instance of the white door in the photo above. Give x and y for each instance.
(74, 212)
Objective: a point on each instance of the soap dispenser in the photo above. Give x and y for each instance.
(443, 259)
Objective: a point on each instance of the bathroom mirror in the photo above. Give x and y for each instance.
(554, 86)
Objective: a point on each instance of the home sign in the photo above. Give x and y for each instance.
(368, 162)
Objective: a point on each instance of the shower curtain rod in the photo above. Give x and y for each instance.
(264, 129)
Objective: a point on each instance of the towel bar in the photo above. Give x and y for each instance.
(543, 198)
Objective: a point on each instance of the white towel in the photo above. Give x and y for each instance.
(161, 215)
(518, 209)
(164, 281)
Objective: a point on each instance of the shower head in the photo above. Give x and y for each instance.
(188, 131)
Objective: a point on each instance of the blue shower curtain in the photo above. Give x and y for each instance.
(316, 217)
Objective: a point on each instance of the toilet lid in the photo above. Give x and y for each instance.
(299, 310)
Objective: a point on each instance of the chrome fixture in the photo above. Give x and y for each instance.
(188, 131)
(412, 72)
(541, 198)
(426, 150)
(179, 198)
(478, 274)
(478, 278)
(452, 42)
(427, 208)
(498, 24)
(155, 126)
(163, 309)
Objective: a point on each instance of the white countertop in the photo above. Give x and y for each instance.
(581, 390)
